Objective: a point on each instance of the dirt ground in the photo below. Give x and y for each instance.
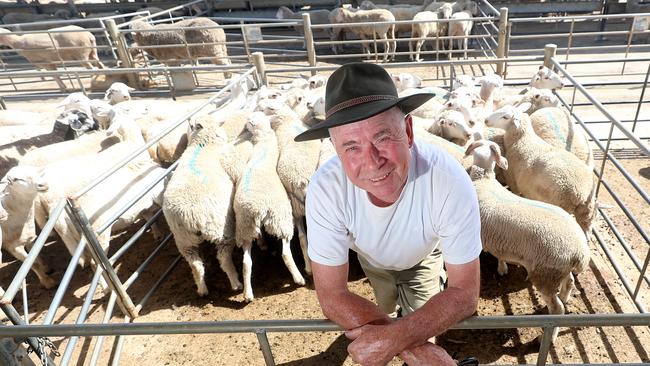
(598, 290)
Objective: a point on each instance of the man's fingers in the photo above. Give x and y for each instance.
(353, 333)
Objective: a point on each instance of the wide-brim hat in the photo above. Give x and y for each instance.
(357, 91)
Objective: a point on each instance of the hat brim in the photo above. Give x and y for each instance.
(361, 112)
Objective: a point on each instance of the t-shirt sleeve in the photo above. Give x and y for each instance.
(328, 238)
(459, 222)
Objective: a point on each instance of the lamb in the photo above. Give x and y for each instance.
(174, 56)
(385, 33)
(406, 80)
(546, 78)
(454, 126)
(261, 200)
(421, 31)
(297, 162)
(321, 16)
(461, 25)
(68, 126)
(47, 50)
(542, 172)
(433, 106)
(540, 237)
(118, 92)
(17, 227)
(198, 205)
(400, 12)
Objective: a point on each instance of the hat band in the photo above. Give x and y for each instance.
(355, 101)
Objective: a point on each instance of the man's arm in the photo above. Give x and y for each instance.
(410, 333)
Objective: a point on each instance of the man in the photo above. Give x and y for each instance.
(402, 206)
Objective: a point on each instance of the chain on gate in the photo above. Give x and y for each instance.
(43, 342)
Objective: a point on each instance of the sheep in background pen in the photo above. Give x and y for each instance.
(46, 50)
(400, 12)
(537, 170)
(174, 56)
(261, 201)
(538, 236)
(461, 25)
(546, 78)
(198, 204)
(321, 16)
(385, 33)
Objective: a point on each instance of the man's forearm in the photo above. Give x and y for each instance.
(352, 311)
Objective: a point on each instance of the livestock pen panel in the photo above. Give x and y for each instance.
(174, 325)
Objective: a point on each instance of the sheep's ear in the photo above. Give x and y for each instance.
(472, 147)
(130, 89)
(498, 158)
(541, 67)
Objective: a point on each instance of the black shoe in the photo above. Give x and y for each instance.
(469, 361)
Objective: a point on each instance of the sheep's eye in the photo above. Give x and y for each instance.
(299, 99)
(471, 123)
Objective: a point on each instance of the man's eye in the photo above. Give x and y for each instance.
(350, 149)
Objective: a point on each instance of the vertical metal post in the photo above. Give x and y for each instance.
(108, 39)
(265, 346)
(309, 41)
(549, 53)
(79, 219)
(501, 43)
(638, 106)
(545, 346)
(245, 39)
(122, 51)
(569, 42)
(258, 61)
(209, 6)
(629, 42)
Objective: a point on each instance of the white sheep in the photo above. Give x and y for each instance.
(320, 16)
(454, 126)
(466, 81)
(400, 12)
(537, 170)
(118, 92)
(197, 205)
(546, 78)
(47, 50)
(460, 26)
(385, 33)
(540, 237)
(432, 106)
(215, 49)
(422, 31)
(17, 227)
(406, 80)
(262, 202)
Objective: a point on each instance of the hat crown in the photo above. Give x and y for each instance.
(355, 81)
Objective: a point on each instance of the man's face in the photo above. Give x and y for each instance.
(375, 154)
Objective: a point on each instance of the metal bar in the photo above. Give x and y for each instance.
(629, 42)
(638, 108)
(627, 212)
(576, 17)
(598, 105)
(169, 270)
(118, 346)
(309, 41)
(314, 325)
(642, 274)
(265, 347)
(83, 225)
(501, 44)
(25, 303)
(15, 318)
(16, 283)
(545, 346)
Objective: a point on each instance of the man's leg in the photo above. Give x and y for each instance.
(383, 284)
(415, 286)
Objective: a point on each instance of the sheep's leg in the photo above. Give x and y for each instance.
(287, 257)
(387, 48)
(565, 288)
(418, 47)
(224, 255)
(302, 237)
(465, 47)
(40, 268)
(411, 50)
(247, 270)
(555, 307)
(502, 268)
(190, 252)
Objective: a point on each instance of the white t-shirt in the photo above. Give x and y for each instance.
(438, 206)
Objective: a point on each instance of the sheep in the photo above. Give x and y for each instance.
(406, 80)
(431, 107)
(461, 25)
(17, 227)
(454, 126)
(316, 16)
(554, 126)
(540, 237)
(69, 125)
(174, 56)
(466, 81)
(261, 200)
(197, 205)
(384, 32)
(297, 162)
(542, 172)
(118, 92)
(546, 78)
(421, 31)
(46, 50)
(400, 12)
(17, 18)
(431, 5)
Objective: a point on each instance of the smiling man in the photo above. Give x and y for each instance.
(407, 209)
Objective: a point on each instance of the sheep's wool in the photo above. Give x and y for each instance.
(437, 207)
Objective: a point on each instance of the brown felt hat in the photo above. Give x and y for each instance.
(357, 91)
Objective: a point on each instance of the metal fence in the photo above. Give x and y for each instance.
(34, 334)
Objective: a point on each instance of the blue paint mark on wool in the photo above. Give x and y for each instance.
(252, 165)
(192, 164)
(556, 126)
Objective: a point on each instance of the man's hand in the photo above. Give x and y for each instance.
(371, 345)
(426, 355)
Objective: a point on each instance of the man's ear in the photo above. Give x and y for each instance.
(408, 120)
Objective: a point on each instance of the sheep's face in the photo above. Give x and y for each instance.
(316, 104)
(456, 126)
(25, 179)
(117, 93)
(463, 80)
(545, 98)
(545, 78)
(375, 153)
(258, 123)
(501, 118)
(317, 81)
(78, 121)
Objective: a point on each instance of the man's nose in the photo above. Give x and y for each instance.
(374, 157)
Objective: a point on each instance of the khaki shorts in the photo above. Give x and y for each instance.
(409, 288)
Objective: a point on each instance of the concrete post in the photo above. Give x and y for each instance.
(120, 42)
(549, 53)
(309, 41)
(502, 39)
(258, 61)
